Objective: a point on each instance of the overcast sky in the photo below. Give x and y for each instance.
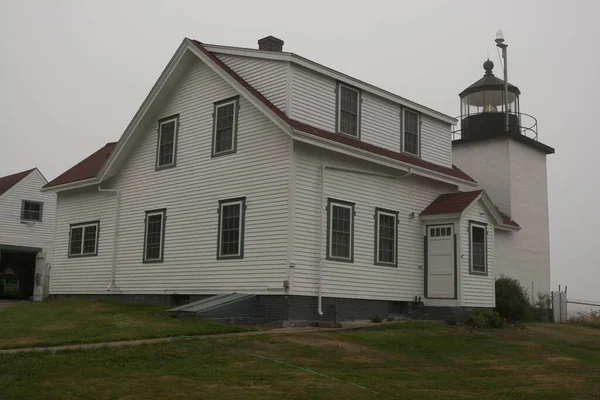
(73, 73)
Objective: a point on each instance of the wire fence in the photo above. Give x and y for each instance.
(574, 310)
(576, 307)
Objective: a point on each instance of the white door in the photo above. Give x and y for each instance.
(440, 282)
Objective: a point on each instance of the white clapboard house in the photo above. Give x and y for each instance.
(261, 172)
(26, 235)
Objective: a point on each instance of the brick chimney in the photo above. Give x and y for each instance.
(270, 43)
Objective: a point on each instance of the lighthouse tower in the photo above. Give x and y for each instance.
(498, 145)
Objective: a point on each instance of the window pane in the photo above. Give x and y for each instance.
(224, 127)
(32, 211)
(167, 143)
(76, 240)
(230, 229)
(348, 111)
(387, 238)
(478, 248)
(89, 239)
(153, 236)
(341, 231)
(411, 133)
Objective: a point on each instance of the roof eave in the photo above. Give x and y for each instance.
(507, 227)
(71, 185)
(435, 217)
(378, 159)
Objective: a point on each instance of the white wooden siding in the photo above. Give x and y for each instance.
(477, 290)
(190, 192)
(436, 141)
(381, 123)
(83, 274)
(360, 279)
(15, 233)
(314, 102)
(313, 98)
(267, 76)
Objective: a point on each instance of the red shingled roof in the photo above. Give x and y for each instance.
(506, 220)
(6, 182)
(90, 167)
(86, 169)
(455, 203)
(453, 172)
(451, 203)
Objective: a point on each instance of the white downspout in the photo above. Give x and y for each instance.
(322, 217)
(115, 233)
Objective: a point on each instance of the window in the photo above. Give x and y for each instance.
(348, 110)
(231, 228)
(340, 230)
(83, 239)
(167, 141)
(225, 127)
(154, 235)
(386, 232)
(411, 132)
(478, 247)
(440, 232)
(31, 210)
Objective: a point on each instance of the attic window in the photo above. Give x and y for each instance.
(411, 131)
(225, 127)
(31, 210)
(348, 105)
(167, 141)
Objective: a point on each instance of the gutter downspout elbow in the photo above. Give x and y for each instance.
(408, 173)
(115, 234)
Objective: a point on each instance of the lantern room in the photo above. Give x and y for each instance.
(483, 107)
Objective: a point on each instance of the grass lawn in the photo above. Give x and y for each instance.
(59, 322)
(413, 360)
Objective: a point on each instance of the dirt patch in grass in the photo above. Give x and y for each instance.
(314, 340)
(561, 359)
(351, 352)
(19, 342)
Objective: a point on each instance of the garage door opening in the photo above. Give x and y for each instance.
(17, 274)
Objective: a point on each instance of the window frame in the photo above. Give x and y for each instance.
(235, 100)
(479, 225)
(40, 203)
(242, 227)
(84, 225)
(383, 211)
(338, 111)
(163, 213)
(403, 135)
(161, 122)
(345, 204)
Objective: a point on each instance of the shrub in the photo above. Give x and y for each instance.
(590, 319)
(377, 318)
(485, 319)
(512, 301)
(542, 310)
